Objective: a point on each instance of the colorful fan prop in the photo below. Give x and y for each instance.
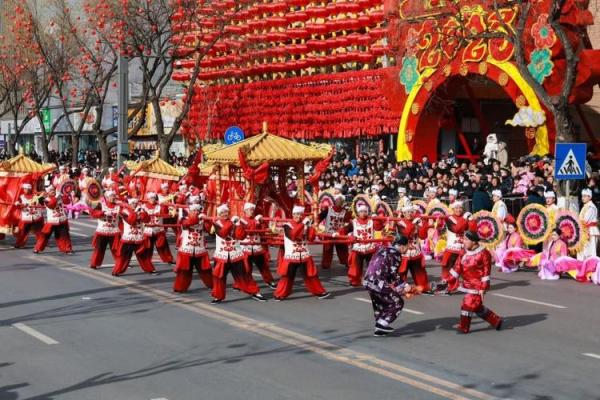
(573, 232)
(534, 224)
(420, 206)
(94, 191)
(362, 199)
(383, 209)
(438, 209)
(66, 188)
(489, 228)
(326, 199)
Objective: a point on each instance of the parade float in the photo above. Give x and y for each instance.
(374, 68)
(13, 174)
(257, 169)
(148, 175)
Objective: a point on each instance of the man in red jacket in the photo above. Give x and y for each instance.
(107, 231)
(333, 219)
(32, 219)
(229, 257)
(257, 253)
(412, 257)
(296, 255)
(475, 267)
(56, 222)
(155, 235)
(192, 251)
(457, 225)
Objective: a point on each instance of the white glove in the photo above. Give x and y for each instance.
(201, 216)
(416, 221)
(467, 215)
(335, 234)
(307, 221)
(258, 218)
(235, 220)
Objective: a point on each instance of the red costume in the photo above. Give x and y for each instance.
(57, 223)
(31, 220)
(192, 253)
(107, 232)
(363, 230)
(475, 267)
(229, 257)
(156, 236)
(132, 240)
(457, 226)
(297, 255)
(334, 218)
(256, 252)
(412, 259)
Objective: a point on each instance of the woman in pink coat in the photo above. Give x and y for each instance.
(511, 253)
(554, 258)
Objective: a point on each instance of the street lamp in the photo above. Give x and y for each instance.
(123, 106)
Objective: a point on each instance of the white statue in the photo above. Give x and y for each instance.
(495, 150)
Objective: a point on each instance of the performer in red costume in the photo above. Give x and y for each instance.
(475, 267)
(229, 257)
(333, 219)
(361, 228)
(166, 197)
(132, 239)
(256, 252)
(457, 225)
(107, 231)
(56, 222)
(296, 255)
(192, 251)
(155, 234)
(32, 219)
(412, 258)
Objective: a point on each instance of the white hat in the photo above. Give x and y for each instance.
(85, 169)
(132, 200)
(298, 210)
(249, 206)
(408, 208)
(151, 195)
(362, 207)
(109, 193)
(195, 207)
(182, 186)
(164, 185)
(586, 192)
(111, 169)
(339, 196)
(433, 190)
(497, 193)
(293, 194)
(222, 208)
(457, 204)
(453, 192)
(61, 167)
(194, 199)
(338, 186)
(550, 194)
(26, 186)
(50, 188)
(401, 189)
(375, 188)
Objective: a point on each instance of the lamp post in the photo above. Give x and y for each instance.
(123, 105)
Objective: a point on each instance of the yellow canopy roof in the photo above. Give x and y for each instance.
(156, 168)
(268, 148)
(22, 165)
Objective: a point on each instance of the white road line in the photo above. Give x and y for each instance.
(541, 303)
(408, 310)
(160, 398)
(36, 334)
(87, 225)
(592, 355)
(78, 234)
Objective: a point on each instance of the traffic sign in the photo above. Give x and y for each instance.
(234, 134)
(570, 160)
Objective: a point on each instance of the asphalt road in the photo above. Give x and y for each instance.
(68, 332)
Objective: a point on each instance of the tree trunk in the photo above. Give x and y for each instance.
(105, 161)
(45, 144)
(12, 145)
(75, 150)
(164, 146)
(564, 124)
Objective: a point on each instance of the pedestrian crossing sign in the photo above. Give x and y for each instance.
(570, 160)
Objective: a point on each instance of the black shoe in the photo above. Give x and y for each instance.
(155, 273)
(36, 252)
(216, 301)
(388, 329)
(499, 326)
(278, 298)
(272, 285)
(259, 297)
(237, 289)
(379, 333)
(324, 295)
(69, 253)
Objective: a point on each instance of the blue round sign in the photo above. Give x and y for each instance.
(234, 134)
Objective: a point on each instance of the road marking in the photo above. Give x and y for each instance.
(79, 234)
(36, 334)
(160, 398)
(541, 303)
(592, 355)
(366, 362)
(87, 225)
(408, 310)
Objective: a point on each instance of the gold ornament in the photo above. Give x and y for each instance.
(503, 79)
(415, 108)
(463, 70)
(447, 70)
(483, 68)
(521, 101)
(429, 85)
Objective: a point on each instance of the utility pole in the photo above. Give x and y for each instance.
(123, 126)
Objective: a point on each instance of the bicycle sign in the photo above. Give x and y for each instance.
(233, 134)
